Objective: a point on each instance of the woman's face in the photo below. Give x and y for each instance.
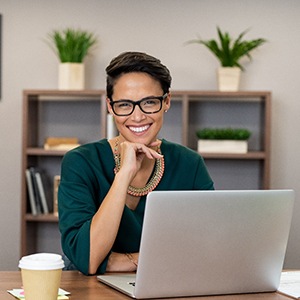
(139, 126)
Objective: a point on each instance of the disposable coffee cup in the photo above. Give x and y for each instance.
(41, 275)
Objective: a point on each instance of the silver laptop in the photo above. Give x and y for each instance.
(208, 243)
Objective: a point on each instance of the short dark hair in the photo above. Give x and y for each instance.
(128, 62)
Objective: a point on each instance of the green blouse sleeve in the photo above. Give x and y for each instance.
(85, 180)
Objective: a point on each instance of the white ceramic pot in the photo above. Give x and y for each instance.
(222, 146)
(71, 76)
(229, 78)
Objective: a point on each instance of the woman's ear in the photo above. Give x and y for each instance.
(167, 102)
(109, 106)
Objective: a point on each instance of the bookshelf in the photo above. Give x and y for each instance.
(83, 114)
(46, 113)
(248, 109)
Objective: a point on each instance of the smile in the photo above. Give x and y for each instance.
(139, 129)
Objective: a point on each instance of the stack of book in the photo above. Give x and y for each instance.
(61, 143)
(36, 191)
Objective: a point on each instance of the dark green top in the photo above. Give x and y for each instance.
(86, 176)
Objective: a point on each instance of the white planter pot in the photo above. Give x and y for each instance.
(71, 76)
(229, 78)
(222, 146)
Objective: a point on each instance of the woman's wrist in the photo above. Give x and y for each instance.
(122, 262)
(132, 259)
(124, 176)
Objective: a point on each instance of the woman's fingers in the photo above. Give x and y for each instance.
(149, 152)
(140, 150)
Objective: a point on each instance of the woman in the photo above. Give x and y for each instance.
(104, 184)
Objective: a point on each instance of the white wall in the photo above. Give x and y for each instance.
(159, 27)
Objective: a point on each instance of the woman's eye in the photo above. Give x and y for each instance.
(123, 105)
(150, 102)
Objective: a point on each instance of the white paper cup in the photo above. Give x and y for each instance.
(41, 275)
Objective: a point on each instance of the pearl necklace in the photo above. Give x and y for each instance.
(154, 180)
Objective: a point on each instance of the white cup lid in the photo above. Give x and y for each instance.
(41, 261)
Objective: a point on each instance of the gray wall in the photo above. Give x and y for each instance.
(159, 27)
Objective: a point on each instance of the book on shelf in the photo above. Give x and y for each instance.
(36, 194)
(55, 194)
(36, 191)
(61, 143)
(41, 192)
(30, 192)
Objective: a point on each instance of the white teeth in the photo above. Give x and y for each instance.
(139, 129)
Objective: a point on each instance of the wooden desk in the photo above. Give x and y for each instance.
(88, 288)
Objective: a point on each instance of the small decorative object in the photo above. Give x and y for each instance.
(229, 52)
(71, 47)
(61, 143)
(223, 140)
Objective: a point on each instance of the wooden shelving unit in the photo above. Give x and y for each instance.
(47, 113)
(192, 110)
(83, 114)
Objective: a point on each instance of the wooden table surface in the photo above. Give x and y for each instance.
(84, 287)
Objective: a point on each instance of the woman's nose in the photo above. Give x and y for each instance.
(137, 114)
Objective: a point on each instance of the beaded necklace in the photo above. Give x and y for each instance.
(154, 180)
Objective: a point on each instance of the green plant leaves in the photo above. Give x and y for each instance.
(72, 45)
(223, 134)
(229, 51)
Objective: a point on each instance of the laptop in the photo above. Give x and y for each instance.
(197, 243)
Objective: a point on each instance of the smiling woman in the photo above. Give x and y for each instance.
(104, 185)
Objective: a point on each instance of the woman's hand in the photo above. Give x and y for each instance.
(133, 154)
(121, 262)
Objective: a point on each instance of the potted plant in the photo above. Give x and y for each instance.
(71, 47)
(229, 52)
(223, 140)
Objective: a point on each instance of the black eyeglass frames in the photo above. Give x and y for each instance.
(148, 105)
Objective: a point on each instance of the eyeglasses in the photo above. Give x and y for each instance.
(148, 105)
